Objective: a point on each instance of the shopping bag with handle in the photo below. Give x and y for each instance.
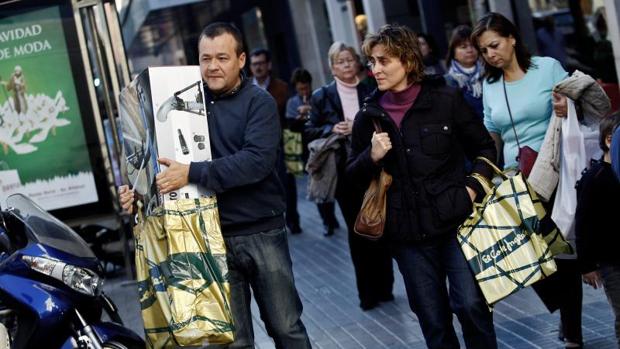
(502, 240)
(182, 275)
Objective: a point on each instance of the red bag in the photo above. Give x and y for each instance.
(526, 159)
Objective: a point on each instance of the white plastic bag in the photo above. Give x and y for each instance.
(573, 159)
(591, 141)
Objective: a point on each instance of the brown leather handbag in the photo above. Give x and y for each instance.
(370, 221)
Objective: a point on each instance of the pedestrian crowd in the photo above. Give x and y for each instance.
(437, 127)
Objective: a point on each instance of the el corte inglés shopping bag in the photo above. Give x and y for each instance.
(182, 275)
(293, 151)
(502, 240)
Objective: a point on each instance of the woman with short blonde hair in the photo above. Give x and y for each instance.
(402, 43)
(333, 109)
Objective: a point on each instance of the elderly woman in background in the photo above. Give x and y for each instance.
(333, 109)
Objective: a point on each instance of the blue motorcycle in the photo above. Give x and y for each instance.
(50, 286)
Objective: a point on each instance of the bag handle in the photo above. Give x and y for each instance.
(378, 129)
(139, 216)
(492, 165)
(487, 186)
(377, 125)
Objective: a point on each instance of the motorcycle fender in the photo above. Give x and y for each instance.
(109, 331)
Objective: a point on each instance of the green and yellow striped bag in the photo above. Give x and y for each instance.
(502, 238)
(293, 151)
(182, 275)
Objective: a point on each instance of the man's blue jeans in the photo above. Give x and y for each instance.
(425, 268)
(262, 262)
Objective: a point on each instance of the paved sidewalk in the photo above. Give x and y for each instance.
(325, 280)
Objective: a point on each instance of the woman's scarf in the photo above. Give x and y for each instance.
(467, 78)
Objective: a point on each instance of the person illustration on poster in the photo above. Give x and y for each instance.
(17, 84)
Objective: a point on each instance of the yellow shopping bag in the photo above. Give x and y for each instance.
(293, 150)
(182, 275)
(502, 240)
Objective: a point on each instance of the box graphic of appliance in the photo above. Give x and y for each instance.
(163, 115)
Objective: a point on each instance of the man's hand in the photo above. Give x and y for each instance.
(174, 177)
(593, 279)
(560, 105)
(303, 111)
(126, 198)
(381, 144)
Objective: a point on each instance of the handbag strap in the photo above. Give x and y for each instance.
(377, 125)
(492, 165)
(512, 123)
(378, 129)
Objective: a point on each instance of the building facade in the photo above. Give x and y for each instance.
(299, 32)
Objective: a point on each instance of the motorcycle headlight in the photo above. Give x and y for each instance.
(80, 279)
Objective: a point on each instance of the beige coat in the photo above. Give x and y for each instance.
(322, 166)
(594, 105)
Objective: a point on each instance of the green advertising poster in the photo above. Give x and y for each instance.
(43, 150)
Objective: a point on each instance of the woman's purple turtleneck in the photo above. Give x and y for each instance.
(397, 103)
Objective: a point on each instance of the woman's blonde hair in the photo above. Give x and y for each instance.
(335, 49)
(401, 42)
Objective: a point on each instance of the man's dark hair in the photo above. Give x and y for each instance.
(503, 27)
(607, 127)
(220, 28)
(301, 75)
(261, 51)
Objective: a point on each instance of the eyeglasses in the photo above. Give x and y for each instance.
(258, 63)
(345, 62)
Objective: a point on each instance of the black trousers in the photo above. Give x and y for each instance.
(372, 260)
(292, 215)
(290, 187)
(562, 289)
(327, 211)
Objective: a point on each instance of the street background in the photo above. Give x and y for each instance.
(326, 284)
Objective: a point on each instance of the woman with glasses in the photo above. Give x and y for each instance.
(427, 132)
(333, 109)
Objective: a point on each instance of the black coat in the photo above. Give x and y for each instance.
(597, 231)
(428, 197)
(327, 110)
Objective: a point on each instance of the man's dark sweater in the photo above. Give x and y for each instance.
(596, 224)
(244, 131)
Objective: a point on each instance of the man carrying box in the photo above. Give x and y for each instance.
(244, 145)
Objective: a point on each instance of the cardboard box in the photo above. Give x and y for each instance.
(163, 116)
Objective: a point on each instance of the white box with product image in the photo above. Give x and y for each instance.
(163, 115)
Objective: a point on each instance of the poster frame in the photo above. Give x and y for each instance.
(78, 61)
